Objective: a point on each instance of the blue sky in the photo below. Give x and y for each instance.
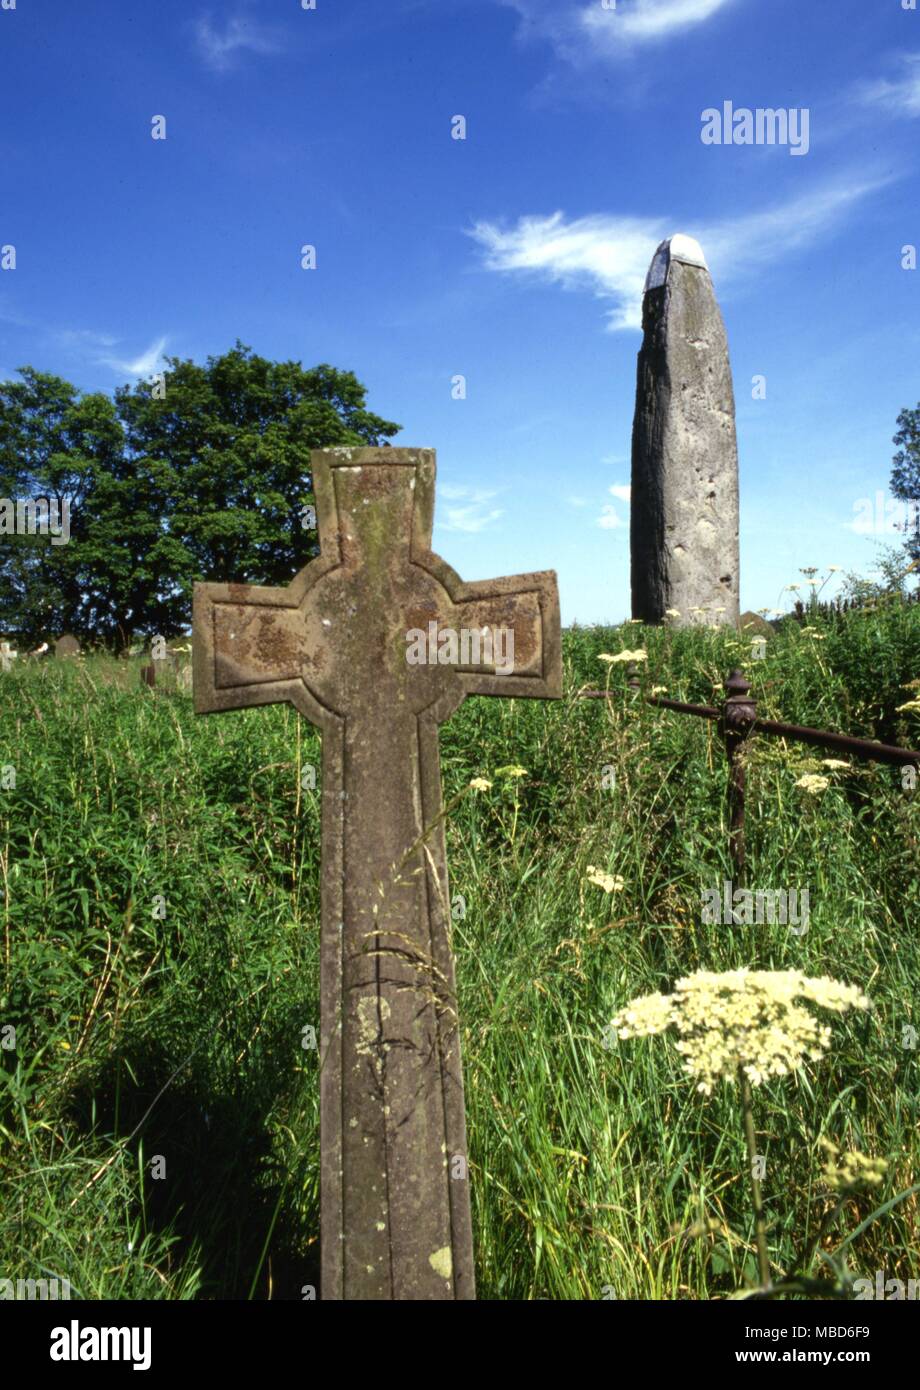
(514, 258)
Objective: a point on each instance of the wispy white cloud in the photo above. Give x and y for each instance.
(609, 520)
(471, 513)
(610, 255)
(585, 31)
(141, 366)
(84, 337)
(622, 491)
(899, 94)
(85, 342)
(221, 45)
(644, 21)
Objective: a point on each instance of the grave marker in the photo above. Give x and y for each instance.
(67, 646)
(334, 643)
(7, 657)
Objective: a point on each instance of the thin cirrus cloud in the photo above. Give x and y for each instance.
(609, 519)
(610, 255)
(141, 366)
(221, 45)
(899, 95)
(590, 31)
(470, 511)
(647, 20)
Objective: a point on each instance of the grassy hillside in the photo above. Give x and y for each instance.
(159, 964)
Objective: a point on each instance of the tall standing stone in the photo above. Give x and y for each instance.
(684, 509)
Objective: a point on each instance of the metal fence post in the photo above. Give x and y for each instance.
(738, 714)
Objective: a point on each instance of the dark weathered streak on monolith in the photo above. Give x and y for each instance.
(684, 506)
(394, 1189)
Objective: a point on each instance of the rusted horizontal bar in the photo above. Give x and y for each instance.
(820, 738)
(862, 747)
(704, 711)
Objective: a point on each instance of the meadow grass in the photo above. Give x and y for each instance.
(159, 963)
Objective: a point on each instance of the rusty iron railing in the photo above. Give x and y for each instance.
(737, 719)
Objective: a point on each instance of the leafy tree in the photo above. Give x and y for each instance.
(204, 474)
(905, 475)
(58, 445)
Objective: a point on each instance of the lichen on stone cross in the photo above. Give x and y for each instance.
(342, 644)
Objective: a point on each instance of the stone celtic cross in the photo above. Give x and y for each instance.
(335, 643)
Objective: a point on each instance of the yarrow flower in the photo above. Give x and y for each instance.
(513, 771)
(747, 1020)
(852, 1170)
(480, 784)
(813, 782)
(623, 657)
(611, 883)
(834, 764)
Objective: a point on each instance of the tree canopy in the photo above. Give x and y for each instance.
(202, 473)
(905, 475)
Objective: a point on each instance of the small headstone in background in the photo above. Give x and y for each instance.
(753, 625)
(67, 646)
(7, 656)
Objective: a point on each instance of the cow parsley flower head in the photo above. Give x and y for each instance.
(622, 657)
(852, 1171)
(611, 883)
(754, 1021)
(813, 783)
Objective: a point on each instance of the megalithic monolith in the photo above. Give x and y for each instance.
(684, 510)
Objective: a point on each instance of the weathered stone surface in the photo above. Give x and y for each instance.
(754, 625)
(67, 646)
(395, 1195)
(684, 506)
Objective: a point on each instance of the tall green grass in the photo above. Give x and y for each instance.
(145, 1039)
